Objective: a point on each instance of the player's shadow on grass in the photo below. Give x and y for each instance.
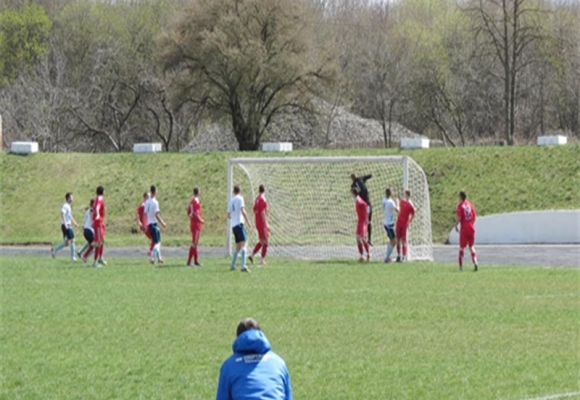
(343, 261)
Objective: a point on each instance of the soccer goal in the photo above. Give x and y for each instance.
(310, 209)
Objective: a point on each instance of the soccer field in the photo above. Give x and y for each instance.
(346, 330)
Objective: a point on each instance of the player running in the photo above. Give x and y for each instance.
(66, 227)
(195, 224)
(98, 228)
(359, 183)
(389, 209)
(406, 215)
(143, 222)
(465, 216)
(237, 216)
(261, 221)
(88, 232)
(362, 213)
(154, 217)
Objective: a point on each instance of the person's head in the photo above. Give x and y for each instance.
(462, 195)
(145, 195)
(100, 191)
(196, 191)
(353, 176)
(388, 192)
(354, 192)
(407, 194)
(68, 197)
(247, 324)
(153, 190)
(237, 190)
(261, 189)
(91, 203)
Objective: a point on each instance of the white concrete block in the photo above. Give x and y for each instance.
(142, 148)
(556, 140)
(279, 146)
(526, 227)
(24, 147)
(414, 143)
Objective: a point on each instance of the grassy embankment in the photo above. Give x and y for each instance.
(498, 179)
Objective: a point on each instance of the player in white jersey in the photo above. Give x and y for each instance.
(88, 231)
(237, 216)
(66, 227)
(389, 209)
(154, 217)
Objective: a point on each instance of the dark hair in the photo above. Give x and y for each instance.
(237, 189)
(67, 196)
(153, 189)
(388, 192)
(100, 191)
(353, 176)
(463, 195)
(145, 194)
(195, 191)
(92, 203)
(408, 192)
(246, 324)
(261, 189)
(354, 191)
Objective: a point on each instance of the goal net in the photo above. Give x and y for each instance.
(310, 209)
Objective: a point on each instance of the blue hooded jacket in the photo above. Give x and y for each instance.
(254, 371)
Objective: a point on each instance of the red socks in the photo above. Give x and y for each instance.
(461, 258)
(360, 248)
(474, 258)
(398, 249)
(264, 250)
(257, 248)
(405, 250)
(192, 254)
(366, 244)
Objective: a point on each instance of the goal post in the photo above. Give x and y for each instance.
(311, 212)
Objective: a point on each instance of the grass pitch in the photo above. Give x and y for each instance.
(346, 331)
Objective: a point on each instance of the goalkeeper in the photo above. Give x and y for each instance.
(359, 183)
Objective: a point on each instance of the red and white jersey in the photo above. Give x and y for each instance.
(260, 207)
(194, 209)
(362, 210)
(466, 215)
(406, 209)
(142, 216)
(98, 211)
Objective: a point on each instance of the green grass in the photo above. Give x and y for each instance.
(498, 179)
(346, 331)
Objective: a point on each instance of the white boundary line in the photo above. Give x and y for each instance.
(556, 396)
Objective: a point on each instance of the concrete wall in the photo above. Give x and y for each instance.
(554, 226)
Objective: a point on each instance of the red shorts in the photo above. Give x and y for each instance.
(466, 239)
(263, 233)
(401, 232)
(362, 229)
(99, 233)
(195, 233)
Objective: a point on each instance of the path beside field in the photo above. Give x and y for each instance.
(524, 255)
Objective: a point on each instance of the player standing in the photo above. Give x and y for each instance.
(88, 232)
(465, 216)
(195, 224)
(66, 227)
(143, 222)
(98, 228)
(237, 216)
(406, 215)
(359, 183)
(154, 217)
(261, 221)
(389, 209)
(362, 213)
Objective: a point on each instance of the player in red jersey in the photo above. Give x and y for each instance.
(195, 224)
(362, 212)
(406, 215)
(99, 228)
(261, 219)
(465, 216)
(143, 222)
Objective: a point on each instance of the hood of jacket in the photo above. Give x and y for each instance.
(251, 341)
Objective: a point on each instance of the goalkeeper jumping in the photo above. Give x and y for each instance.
(359, 183)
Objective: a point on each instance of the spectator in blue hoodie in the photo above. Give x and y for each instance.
(254, 371)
